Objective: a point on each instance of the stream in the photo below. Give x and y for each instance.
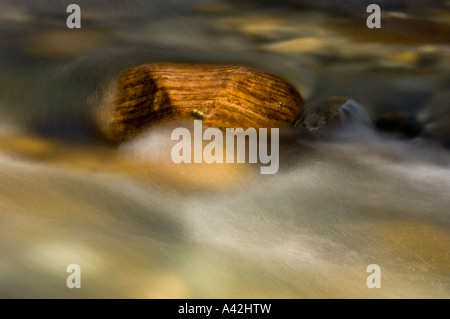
(141, 226)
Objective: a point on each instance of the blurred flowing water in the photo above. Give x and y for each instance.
(142, 227)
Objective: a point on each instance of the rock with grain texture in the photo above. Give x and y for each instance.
(222, 96)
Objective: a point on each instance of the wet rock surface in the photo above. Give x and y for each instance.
(404, 125)
(331, 112)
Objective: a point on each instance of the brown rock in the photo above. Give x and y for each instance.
(222, 96)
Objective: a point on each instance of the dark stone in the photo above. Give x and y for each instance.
(331, 111)
(404, 125)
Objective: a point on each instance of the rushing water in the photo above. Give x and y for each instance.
(140, 226)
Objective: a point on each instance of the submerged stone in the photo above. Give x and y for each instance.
(399, 123)
(333, 110)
